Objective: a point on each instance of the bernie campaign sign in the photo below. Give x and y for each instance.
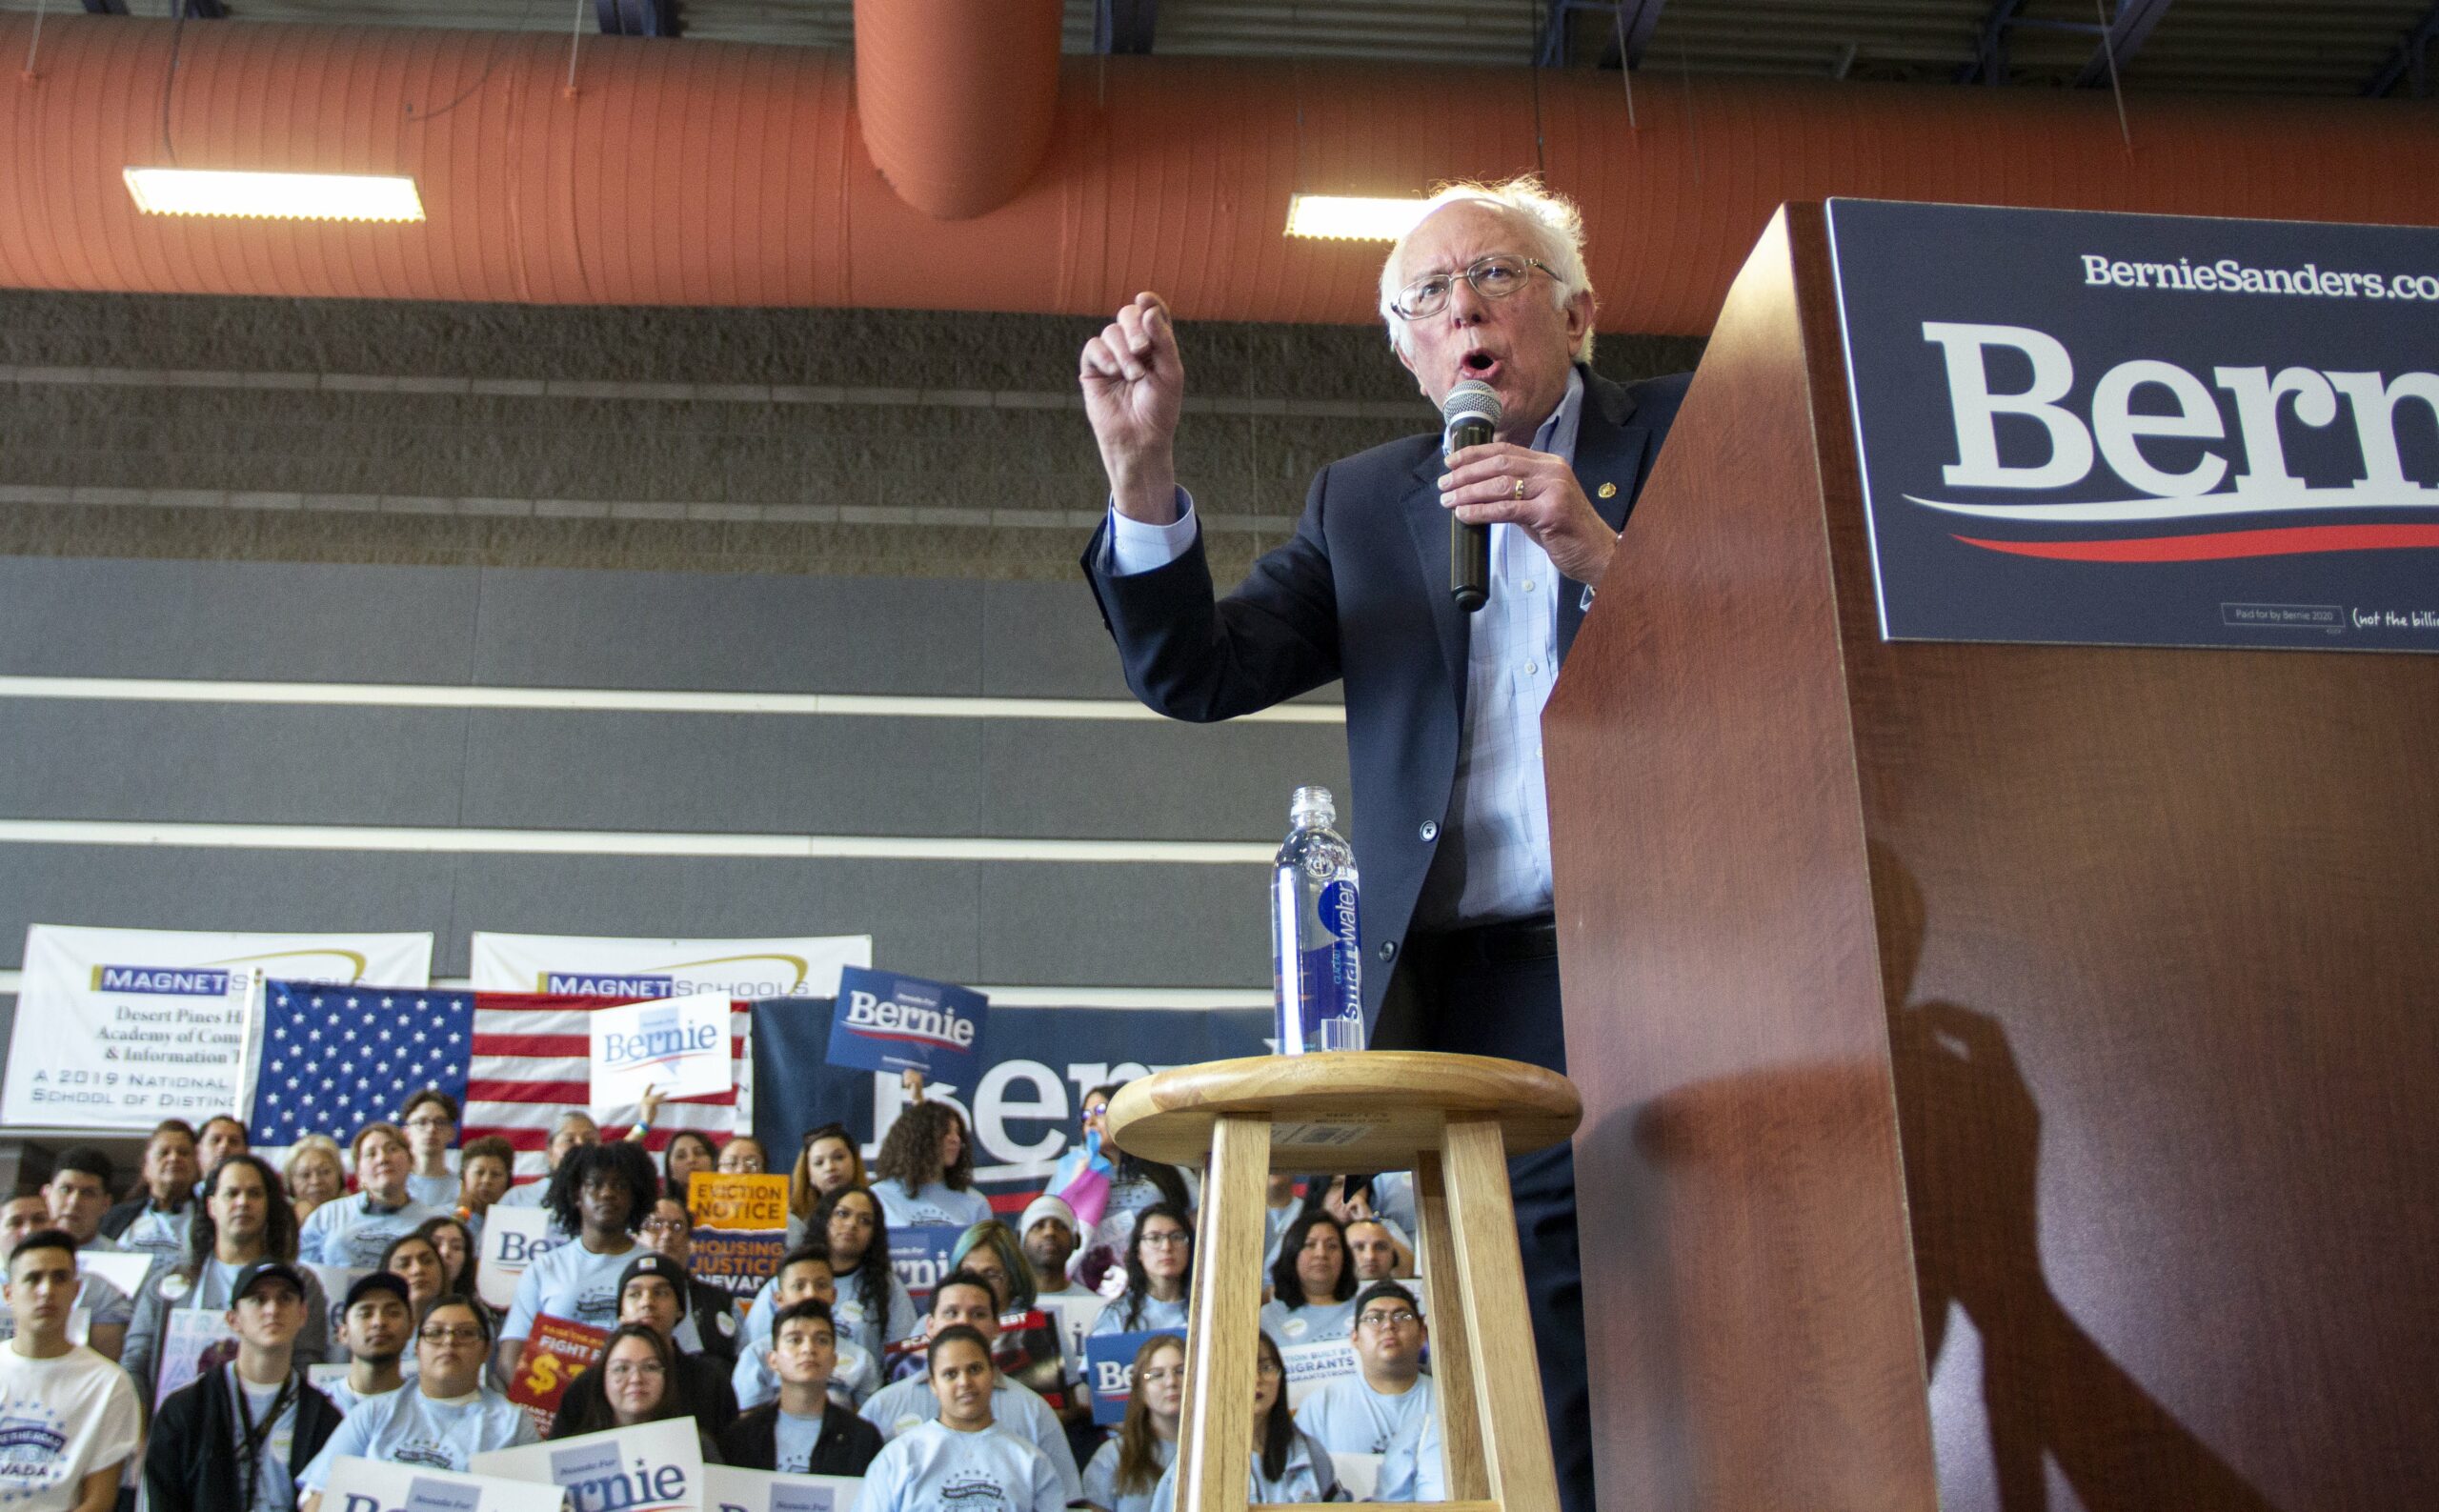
(888, 1022)
(2144, 430)
(1109, 1370)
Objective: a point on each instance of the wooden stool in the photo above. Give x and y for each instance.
(1453, 1121)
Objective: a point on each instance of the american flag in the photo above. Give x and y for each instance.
(336, 1059)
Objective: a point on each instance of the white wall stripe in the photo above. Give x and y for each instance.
(1187, 998)
(621, 842)
(441, 696)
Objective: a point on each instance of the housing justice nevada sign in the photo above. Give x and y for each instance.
(2144, 430)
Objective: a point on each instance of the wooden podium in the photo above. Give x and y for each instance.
(2010, 1073)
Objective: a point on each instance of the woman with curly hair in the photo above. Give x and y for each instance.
(925, 1175)
(1312, 1287)
(1288, 1467)
(874, 1308)
(827, 1162)
(1159, 1271)
(602, 1194)
(1126, 1470)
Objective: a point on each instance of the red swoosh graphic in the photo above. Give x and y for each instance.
(2290, 541)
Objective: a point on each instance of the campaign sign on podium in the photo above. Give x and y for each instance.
(2144, 430)
(888, 1022)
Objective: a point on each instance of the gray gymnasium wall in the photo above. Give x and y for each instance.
(224, 492)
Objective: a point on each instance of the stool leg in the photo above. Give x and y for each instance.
(1216, 1436)
(1490, 1283)
(1452, 1353)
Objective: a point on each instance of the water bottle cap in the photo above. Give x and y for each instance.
(1312, 805)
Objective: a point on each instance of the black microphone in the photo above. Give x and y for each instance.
(1469, 417)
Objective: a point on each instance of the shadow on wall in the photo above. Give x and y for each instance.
(2050, 1396)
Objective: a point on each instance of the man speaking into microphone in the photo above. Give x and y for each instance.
(1443, 705)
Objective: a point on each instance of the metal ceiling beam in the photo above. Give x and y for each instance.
(1630, 24)
(196, 10)
(1989, 65)
(2412, 62)
(637, 18)
(2126, 33)
(1124, 26)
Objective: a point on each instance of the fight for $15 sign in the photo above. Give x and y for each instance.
(678, 1046)
(887, 1023)
(2144, 430)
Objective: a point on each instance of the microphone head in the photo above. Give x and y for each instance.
(1471, 399)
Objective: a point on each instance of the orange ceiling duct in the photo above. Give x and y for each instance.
(703, 173)
(956, 98)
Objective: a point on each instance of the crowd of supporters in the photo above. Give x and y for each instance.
(831, 1369)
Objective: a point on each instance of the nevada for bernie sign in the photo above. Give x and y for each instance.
(887, 1023)
(2144, 430)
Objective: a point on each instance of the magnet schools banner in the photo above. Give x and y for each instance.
(888, 1022)
(1021, 1099)
(121, 1028)
(2144, 430)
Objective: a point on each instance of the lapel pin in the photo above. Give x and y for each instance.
(1608, 491)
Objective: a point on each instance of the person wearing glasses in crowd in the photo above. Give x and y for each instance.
(376, 1328)
(601, 1193)
(965, 1302)
(952, 1457)
(1313, 1285)
(1159, 1274)
(353, 1230)
(69, 1418)
(743, 1154)
(1288, 1467)
(827, 1160)
(873, 1307)
(1443, 709)
(1363, 1413)
(804, 1428)
(710, 1326)
(441, 1419)
(485, 1168)
(430, 1119)
(1033, 1346)
(636, 1382)
(235, 1437)
(804, 1276)
(105, 1309)
(245, 1222)
(1135, 1184)
(155, 1220)
(925, 1175)
(1125, 1471)
(649, 1294)
(314, 1174)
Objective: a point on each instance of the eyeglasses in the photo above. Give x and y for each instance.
(635, 1369)
(1270, 1368)
(452, 1334)
(1397, 1318)
(1166, 1238)
(1161, 1376)
(422, 1123)
(665, 1225)
(1493, 278)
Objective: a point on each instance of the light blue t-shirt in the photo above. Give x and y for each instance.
(274, 1483)
(898, 1409)
(798, 1438)
(1309, 1477)
(569, 1282)
(1100, 1478)
(1307, 1325)
(353, 1230)
(852, 1381)
(344, 1398)
(407, 1427)
(1412, 1469)
(875, 1324)
(932, 1206)
(440, 1192)
(157, 1233)
(935, 1466)
(1346, 1416)
(1156, 1314)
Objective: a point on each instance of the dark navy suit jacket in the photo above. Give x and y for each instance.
(1359, 593)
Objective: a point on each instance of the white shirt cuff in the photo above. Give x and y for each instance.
(1135, 547)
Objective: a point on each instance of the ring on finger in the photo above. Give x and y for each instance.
(1519, 491)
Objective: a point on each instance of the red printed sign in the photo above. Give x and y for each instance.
(555, 1353)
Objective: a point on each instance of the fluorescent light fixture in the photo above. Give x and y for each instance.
(273, 196)
(1350, 217)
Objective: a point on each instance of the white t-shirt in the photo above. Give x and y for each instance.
(274, 1485)
(568, 1282)
(1346, 1416)
(407, 1427)
(1101, 1477)
(60, 1421)
(352, 1231)
(897, 1410)
(932, 1206)
(934, 1467)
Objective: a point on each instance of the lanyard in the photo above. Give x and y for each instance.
(251, 1438)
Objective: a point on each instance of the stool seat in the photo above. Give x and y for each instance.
(1343, 1110)
(1454, 1121)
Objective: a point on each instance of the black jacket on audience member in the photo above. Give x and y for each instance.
(847, 1446)
(190, 1457)
(709, 1305)
(703, 1391)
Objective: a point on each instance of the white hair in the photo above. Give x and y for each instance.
(1549, 223)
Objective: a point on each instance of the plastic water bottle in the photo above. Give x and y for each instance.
(1316, 932)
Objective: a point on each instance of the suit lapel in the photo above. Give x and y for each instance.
(1609, 450)
(1429, 524)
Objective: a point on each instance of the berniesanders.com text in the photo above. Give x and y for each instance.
(2229, 276)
